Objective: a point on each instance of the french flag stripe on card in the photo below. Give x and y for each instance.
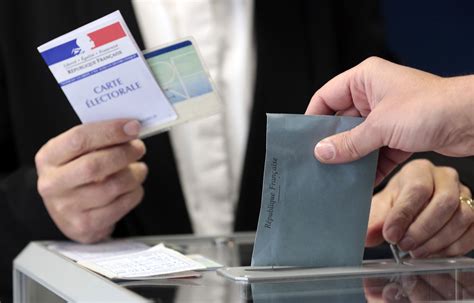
(60, 53)
(75, 47)
(107, 34)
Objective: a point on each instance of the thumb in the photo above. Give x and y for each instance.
(347, 146)
(374, 235)
(380, 207)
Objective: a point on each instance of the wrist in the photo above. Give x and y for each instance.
(460, 97)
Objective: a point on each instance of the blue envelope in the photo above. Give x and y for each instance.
(312, 214)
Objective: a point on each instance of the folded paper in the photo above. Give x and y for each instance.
(312, 214)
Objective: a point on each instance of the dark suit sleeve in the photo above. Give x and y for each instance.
(5, 136)
(19, 197)
(22, 212)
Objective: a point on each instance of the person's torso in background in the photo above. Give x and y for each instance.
(210, 151)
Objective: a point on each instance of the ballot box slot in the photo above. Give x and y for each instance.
(248, 274)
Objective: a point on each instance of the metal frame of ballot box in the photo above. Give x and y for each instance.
(250, 274)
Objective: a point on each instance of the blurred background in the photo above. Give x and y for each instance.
(435, 36)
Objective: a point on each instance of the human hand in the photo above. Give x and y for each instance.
(419, 210)
(88, 177)
(406, 111)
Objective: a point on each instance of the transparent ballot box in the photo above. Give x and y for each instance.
(44, 275)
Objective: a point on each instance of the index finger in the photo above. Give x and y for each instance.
(415, 189)
(443, 204)
(85, 138)
(333, 96)
(349, 91)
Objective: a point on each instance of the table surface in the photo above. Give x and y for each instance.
(235, 250)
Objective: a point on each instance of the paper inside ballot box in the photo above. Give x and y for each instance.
(312, 214)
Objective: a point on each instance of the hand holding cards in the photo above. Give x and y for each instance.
(108, 83)
(105, 76)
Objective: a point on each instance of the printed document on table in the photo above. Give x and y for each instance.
(105, 76)
(156, 261)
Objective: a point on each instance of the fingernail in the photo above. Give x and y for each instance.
(325, 150)
(420, 252)
(132, 128)
(407, 244)
(393, 234)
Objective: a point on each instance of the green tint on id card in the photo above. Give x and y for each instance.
(179, 71)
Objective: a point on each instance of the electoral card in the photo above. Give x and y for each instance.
(185, 80)
(105, 76)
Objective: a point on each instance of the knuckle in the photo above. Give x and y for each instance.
(40, 158)
(372, 60)
(112, 134)
(45, 187)
(455, 249)
(78, 140)
(99, 236)
(404, 216)
(448, 202)
(85, 239)
(60, 209)
(427, 227)
(109, 135)
(374, 125)
(82, 228)
(114, 187)
(371, 123)
(422, 163)
(118, 156)
(450, 172)
(349, 146)
(421, 190)
(91, 168)
(467, 191)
